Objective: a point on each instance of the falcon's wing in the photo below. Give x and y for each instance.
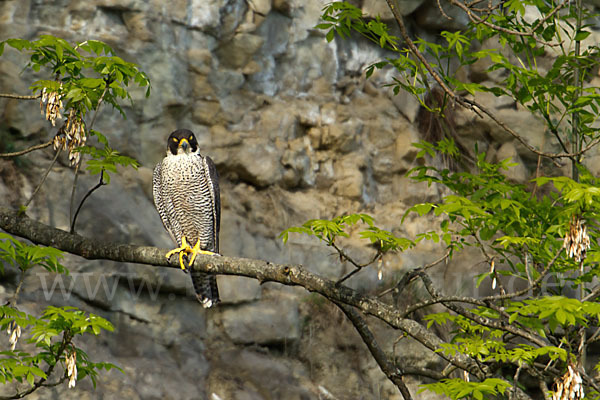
(162, 203)
(214, 182)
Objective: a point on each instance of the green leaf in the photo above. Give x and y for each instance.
(329, 36)
(18, 44)
(59, 52)
(30, 378)
(561, 316)
(581, 35)
(422, 209)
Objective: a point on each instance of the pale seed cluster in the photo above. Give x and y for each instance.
(493, 272)
(71, 364)
(71, 136)
(569, 387)
(14, 333)
(52, 106)
(576, 240)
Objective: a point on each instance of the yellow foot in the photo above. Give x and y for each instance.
(196, 250)
(186, 249)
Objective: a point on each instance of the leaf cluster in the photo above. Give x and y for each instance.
(523, 231)
(522, 234)
(85, 73)
(554, 94)
(52, 335)
(329, 230)
(25, 256)
(551, 312)
(459, 389)
(105, 160)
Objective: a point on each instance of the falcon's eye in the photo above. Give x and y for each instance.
(190, 138)
(175, 139)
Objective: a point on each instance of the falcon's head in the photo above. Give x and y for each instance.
(182, 141)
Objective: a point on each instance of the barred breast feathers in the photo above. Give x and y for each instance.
(187, 196)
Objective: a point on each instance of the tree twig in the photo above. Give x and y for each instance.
(72, 230)
(28, 150)
(15, 296)
(73, 189)
(89, 129)
(593, 294)
(399, 287)
(358, 267)
(478, 20)
(485, 300)
(43, 177)
(500, 325)
(423, 372)
(515, 382)
(21, 96)
(530, 287)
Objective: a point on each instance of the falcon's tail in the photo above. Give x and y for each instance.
(207, 291)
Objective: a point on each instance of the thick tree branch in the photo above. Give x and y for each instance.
(393, 373)
(524, 333)
(449, 302)
(294, 275)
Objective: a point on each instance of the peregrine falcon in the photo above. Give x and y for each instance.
(185, 186)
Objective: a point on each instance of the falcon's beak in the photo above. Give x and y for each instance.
(184, 144)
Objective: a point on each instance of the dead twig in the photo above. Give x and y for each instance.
(28, 150)
(20, 96)
(43, 177)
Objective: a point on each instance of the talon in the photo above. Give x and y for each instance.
(169, 254)
(181, 254)
(182, 250)
(186, 249)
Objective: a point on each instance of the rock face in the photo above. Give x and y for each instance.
(296, 133)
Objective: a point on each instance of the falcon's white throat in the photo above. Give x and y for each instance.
(186, 152)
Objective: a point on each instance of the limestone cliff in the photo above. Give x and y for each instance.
(296, 132)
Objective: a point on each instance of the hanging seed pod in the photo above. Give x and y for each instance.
(14, 333)
(493, 271)
(71, 363)
(576, 240)
(569, 386)
(71, 136)
(50, 105)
